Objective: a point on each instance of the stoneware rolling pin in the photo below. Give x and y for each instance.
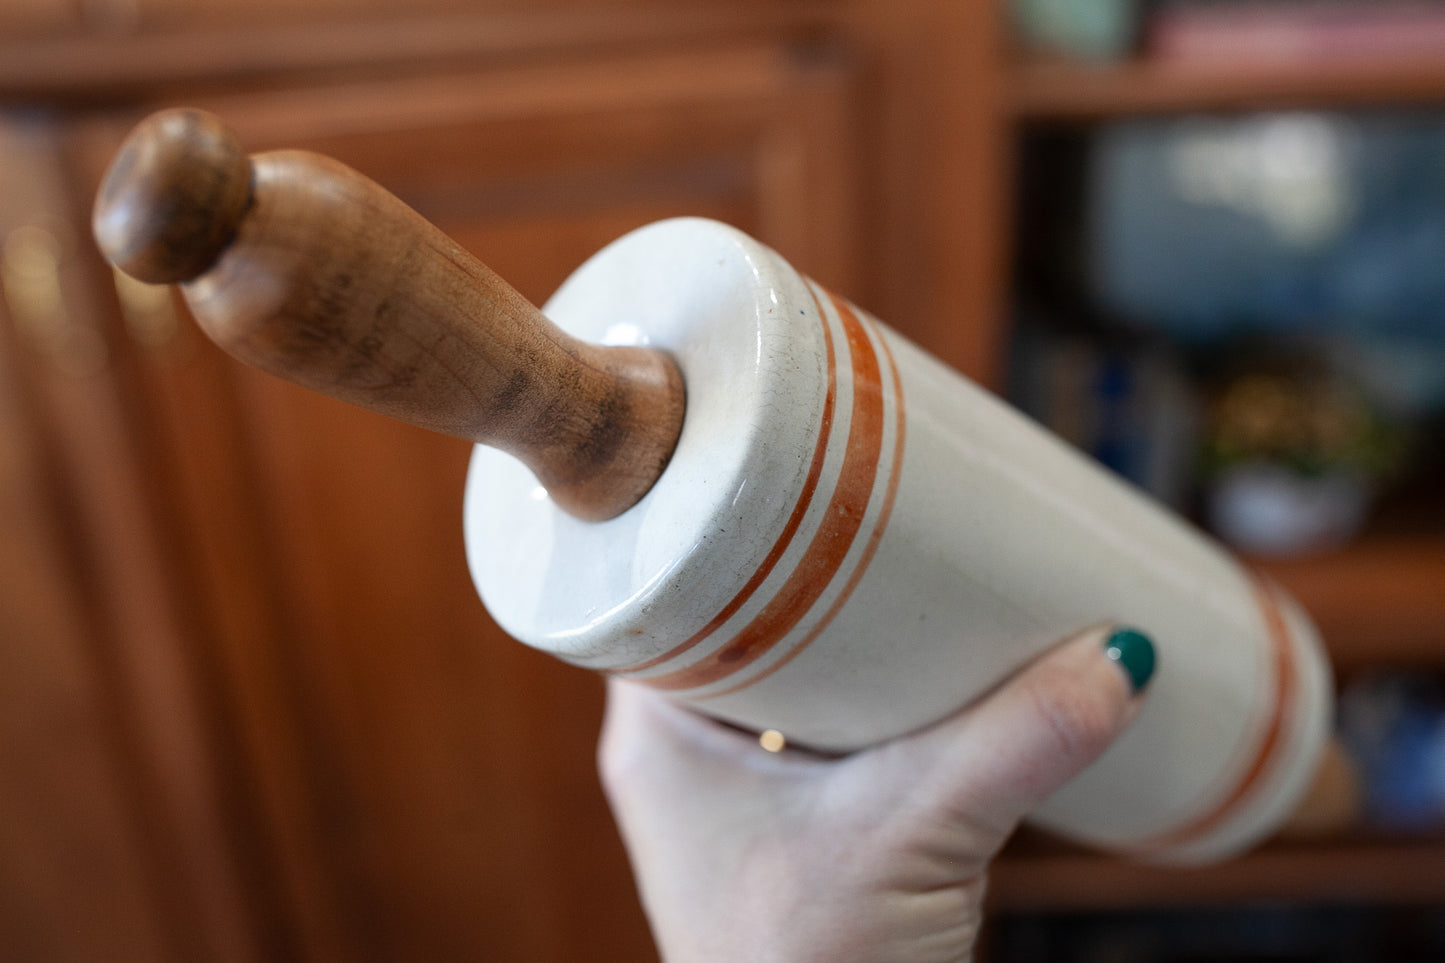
(702, 471)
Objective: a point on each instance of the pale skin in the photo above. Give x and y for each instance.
(741, 854)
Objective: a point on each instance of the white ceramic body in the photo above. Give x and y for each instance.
(852, 541)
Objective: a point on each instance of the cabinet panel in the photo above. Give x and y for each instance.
(20, 18)
(169, 13)
(74, 884)
(122, 49)
(425, 787)
(117, 841)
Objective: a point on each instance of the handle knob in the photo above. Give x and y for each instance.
(296, 264)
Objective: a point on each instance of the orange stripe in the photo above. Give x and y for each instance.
(785, 538)
(884, 513)
(824, 555)
(1267, 758)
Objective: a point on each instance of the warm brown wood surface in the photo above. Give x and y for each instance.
(1059, 91)
(77, 876)
(300, 266)
(50, 51)
(1042, 875)
(1379, 601)
(174, 198)
(124, 825)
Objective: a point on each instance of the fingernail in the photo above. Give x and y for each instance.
(1132, 651)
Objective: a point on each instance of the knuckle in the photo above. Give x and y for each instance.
(617, 760)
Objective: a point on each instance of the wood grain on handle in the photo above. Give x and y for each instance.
(297, 264)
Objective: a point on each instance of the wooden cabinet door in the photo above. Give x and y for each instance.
(115, 841)
(411, 783)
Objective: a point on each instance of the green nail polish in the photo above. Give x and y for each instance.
(1134, 653)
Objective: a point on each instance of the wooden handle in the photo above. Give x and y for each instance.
(297, 264)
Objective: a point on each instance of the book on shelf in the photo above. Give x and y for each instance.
(1132, 408)
(1275, 31)
(1088, 30)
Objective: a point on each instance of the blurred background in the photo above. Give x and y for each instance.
(250, 707)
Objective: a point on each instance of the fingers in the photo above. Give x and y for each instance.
(990, 764)
(996, 761)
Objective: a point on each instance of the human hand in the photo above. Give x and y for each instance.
(741, 854)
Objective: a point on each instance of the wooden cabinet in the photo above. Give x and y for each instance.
(307, 739)
(76, 877)
(116, 836)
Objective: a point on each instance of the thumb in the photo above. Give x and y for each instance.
(993, 763)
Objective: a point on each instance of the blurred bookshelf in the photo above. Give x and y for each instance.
(1378, 597)
(1042, 873)
(1099, 59)
(1050, 89)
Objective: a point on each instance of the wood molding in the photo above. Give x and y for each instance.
(110, 67)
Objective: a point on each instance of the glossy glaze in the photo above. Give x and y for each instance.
(852, 541)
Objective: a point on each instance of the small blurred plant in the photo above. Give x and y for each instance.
(1294, 456)
(1312, 424)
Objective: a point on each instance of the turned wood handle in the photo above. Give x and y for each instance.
(297, 264)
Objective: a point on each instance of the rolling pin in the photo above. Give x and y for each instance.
(704, 472)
